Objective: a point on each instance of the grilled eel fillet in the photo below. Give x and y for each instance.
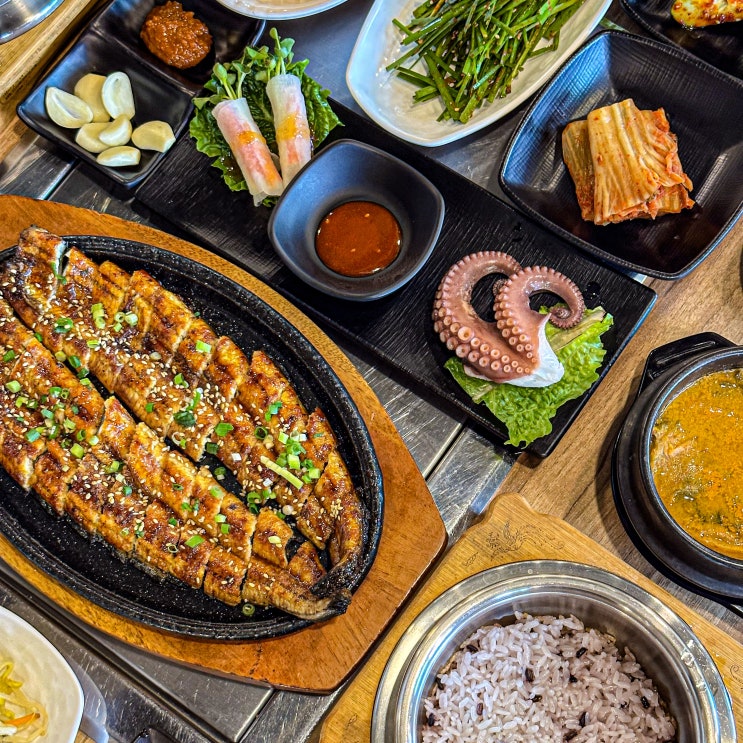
(199, 390)
(72, 314)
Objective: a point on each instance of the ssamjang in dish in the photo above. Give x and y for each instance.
(544, 678)
(125, 468)
(696, 458)
(625, 164)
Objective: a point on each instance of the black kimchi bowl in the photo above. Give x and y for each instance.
(664, 646)
(670, 370)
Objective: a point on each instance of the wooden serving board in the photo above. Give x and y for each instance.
(320, 657)
(511, 531)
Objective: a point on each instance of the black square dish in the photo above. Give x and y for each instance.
(122, 21)
(703, 106)
(112, 44)
(720, 45)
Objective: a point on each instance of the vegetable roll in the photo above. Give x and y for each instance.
(290, 120)
(249, 148)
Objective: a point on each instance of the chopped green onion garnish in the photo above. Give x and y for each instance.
(75, 362)
(283, 437)
(127, 490)
(194, 541)
(211, 447)
(202, 347)
(179, 381)
(69, 425)
(261, 433)
(9, 355)
(14, 386)
(225, 528)
(20, 401)
(173, 521)
(115, 466)
(185, 418)
(33, 435)
(273, 539)
(77, 451)
(63, 325)
(61, 356)
(248, 610)
(220, 518)
(215, 491)
(57, 274)
(177, 486)
(292, 461)
(93, 343)
(220, 472)
(149, 407)
(222, 429)
(131, 318)
(288, 476)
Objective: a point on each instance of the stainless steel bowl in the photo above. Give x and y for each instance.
(663, 643)
(18, 16)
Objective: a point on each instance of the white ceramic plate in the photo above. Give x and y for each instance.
(388, 100)
(45, 674)
(279, 9)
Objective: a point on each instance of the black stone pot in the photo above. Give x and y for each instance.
(669, 370)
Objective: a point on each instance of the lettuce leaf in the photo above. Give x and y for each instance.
(528, 411)
(247, 77)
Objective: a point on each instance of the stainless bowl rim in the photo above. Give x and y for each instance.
(679, 379)
(400, 692)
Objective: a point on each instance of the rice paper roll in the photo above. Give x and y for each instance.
(249, 148)
(290, 121)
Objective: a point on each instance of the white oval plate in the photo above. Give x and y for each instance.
(388, 100)
(279, 9)
(45, 674)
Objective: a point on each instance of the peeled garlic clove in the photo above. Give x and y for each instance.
(88, 137)
(89, 87)
(154, 135)
(65, 109)
(117, 96)
(118, 132)
(119, 157)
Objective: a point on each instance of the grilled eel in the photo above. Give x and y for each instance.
(199, 390)
(132, 516)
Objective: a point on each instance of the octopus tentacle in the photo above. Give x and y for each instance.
(515, 294)
(459, 326)
(514, 348)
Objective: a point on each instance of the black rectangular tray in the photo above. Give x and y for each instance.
(398, 329)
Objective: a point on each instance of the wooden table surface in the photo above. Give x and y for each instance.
(574, 482)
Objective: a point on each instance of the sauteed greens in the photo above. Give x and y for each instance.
(247, 77)
(528, 411)
(471, 50)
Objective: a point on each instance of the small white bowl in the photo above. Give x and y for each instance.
(45, 674)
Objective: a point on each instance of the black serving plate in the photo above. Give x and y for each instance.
(703, 106)
(668, 370)
(111, 43)
(90, 568)
(397, 328)
(720, 45)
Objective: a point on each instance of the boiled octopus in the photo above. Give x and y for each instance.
(514, 348)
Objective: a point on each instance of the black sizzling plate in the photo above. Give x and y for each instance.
(721, 45)
(398, 328)
(90, 568)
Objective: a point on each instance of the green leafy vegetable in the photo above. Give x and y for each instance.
(247, 77)
(472, 50)
(528, 411)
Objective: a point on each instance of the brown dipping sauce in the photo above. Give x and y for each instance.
(696, 458)
(358, 238)
(175, 36)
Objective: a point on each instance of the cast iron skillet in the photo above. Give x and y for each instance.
(669, 370)
(89, 567)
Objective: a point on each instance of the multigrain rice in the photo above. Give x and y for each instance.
(547, 680)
